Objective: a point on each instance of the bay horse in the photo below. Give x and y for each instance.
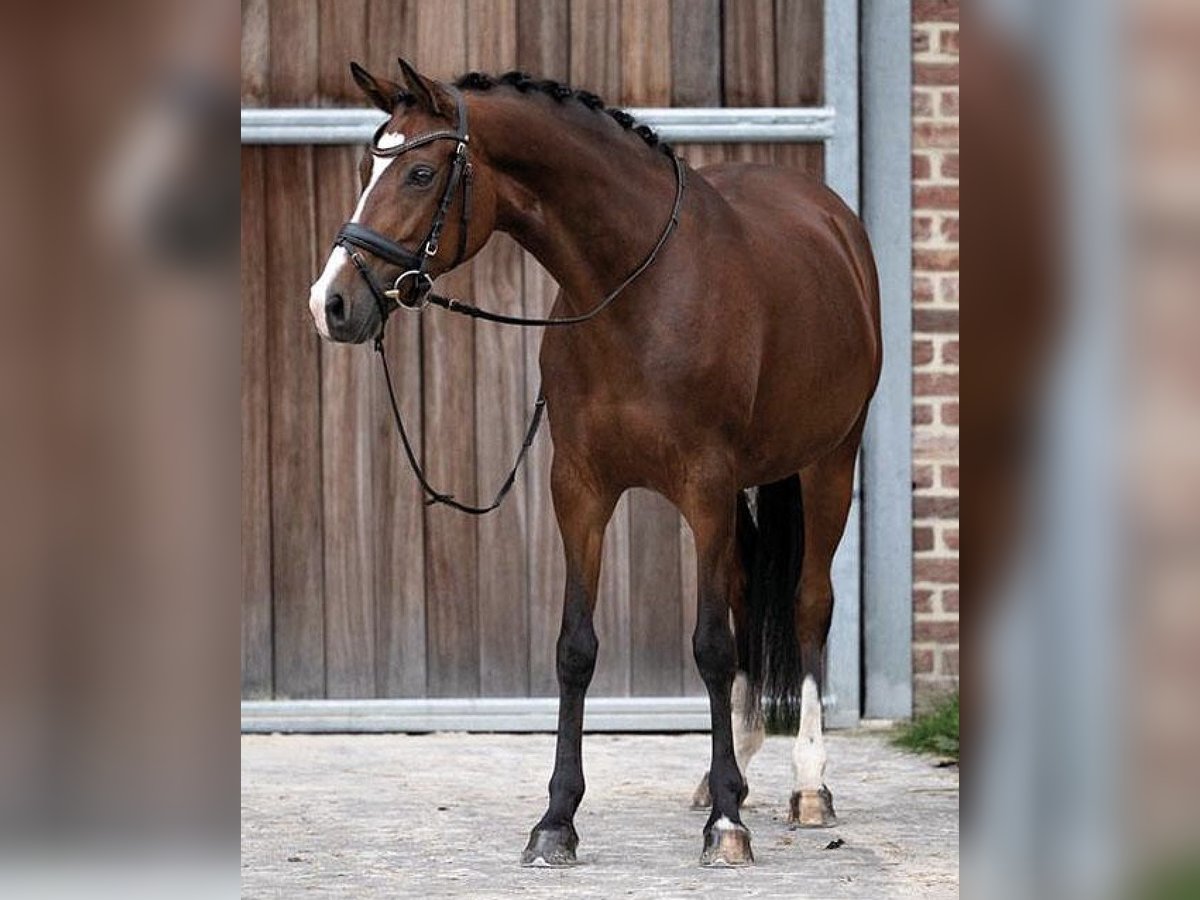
(739, 357)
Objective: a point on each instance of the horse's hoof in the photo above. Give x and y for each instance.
(551, 847)
(813, 809)
(727, 843)
(702, 796)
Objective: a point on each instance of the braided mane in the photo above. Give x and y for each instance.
(560, 93)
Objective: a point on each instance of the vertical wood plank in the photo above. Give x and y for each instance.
(543, 42)
(749, 45)
(689, 578)
(342, 28)
(391, 32)
(547, 564)
(646, 53)
(346, 409)
(399, 526)
(294, 371)
(695, 52)
(595, 65)
(256, 52)
(799, 26)
(596, 47)
(799, 74)
(294, 367)
(256, 459)
(293, 53)
(499, 411)
(451, 552)
(655, 598)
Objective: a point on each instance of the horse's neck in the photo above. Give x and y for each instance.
(586, 199)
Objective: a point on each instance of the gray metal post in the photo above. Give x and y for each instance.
(887, 449)
(843, 665)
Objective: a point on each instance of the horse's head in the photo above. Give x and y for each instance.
(423, 208)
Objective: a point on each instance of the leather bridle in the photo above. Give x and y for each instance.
(414, 266)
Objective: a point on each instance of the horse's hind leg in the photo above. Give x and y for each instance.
(583, 511)
(828, 486)
(749, 728)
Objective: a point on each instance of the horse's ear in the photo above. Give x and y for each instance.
(383, 93)
(427, 92)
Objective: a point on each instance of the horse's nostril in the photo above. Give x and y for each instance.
(335, 310)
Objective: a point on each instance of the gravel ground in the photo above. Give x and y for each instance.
(446, 815)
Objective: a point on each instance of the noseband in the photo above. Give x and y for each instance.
(413, 288)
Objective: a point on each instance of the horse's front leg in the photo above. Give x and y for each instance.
(583, 512)
(721, 583)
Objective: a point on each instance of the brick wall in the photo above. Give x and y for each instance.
(935, 347)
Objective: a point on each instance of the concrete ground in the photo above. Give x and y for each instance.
(447, 815)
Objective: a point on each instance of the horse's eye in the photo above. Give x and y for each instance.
(420, 176)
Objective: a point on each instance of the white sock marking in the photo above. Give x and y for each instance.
(746, 741)
(808, 753)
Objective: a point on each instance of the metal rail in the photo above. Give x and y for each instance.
(526, 714)
(740, 125)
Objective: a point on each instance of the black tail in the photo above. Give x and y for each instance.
(772, 546)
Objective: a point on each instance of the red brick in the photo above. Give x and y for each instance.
(951, 538)
(935, 384)
(922, 352)
(950, 228)
(949, 477)
(948, 165)
(922, 661)
(922, 290)
(950, 661)
(922, 167)
(935, 321)
(922, 477)
(922, 228)
(922, 104)
(922, 414)
(948, 290)
(922, 538)
(922, 600)
(935, 10)
(926, 632)
(935, 507)
(935, 136)
(920, 40)
(928, 259)
(950, 601)
(949, 413)
(939, 196)
(950, 353)
(935, 74)
(948, 103)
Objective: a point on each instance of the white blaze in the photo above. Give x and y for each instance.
(339, 257)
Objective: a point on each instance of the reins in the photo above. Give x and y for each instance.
(414, 265)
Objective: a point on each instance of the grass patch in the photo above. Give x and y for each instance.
(935, 731)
